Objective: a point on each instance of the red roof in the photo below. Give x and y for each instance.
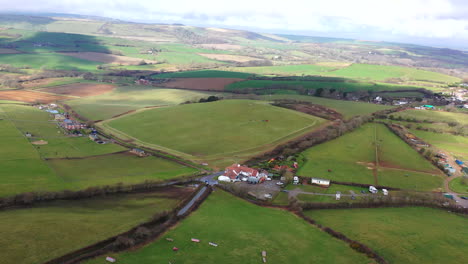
(234, 170)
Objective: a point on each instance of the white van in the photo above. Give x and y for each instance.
(385, 191)
(372, 189)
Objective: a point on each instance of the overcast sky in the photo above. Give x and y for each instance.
(431, 22)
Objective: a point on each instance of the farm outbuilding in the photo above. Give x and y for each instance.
(139, 152)
(320, 182)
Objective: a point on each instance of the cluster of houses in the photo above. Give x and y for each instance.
(237, 173)
(64, 120)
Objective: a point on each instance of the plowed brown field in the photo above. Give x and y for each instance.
(80, 89)
(30, 96)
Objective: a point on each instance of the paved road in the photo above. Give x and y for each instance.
(190, 204)
(208, 179)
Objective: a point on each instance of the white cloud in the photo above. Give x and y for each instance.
(410, 18)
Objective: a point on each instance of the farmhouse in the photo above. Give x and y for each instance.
(237, 172)
(72, 125)
(320, 182)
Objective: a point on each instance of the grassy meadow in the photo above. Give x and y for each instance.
(402, 235)
(52, 61)
(242, 232)
(275, 86)
(41, 233)
(456, 145)
(41, 125)
(384, 72)
(284, 70)
(218, 129)
(458, 186)
(352, 158)
(432, 116)
(24, 168)
(127, 98)
(116, 168)
(21, 167)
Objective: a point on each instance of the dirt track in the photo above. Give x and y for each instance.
(203, 84)
(80, 89)
(30, 96)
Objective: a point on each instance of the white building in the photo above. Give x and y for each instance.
(321, 182)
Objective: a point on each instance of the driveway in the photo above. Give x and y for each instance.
(210, 179)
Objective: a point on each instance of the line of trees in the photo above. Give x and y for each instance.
(138, 235)
(31, 198)
(403, 199)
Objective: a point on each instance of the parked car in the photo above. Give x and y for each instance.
(362, 191)
(280, 183)
(464, 197)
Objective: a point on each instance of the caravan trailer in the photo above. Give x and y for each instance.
(372, 189)
(385, 191)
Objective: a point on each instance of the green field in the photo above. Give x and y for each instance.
(52, 61)
(438, 127)
(116, 168)
(433, 116)
(127, 98)
(351, 158)
(282, 197)
(218, 129)
(403, 235)
(456, 145)
(41, 125)
(203, 74)
(21, 168)
(347, 108)
(284, 70)
(38, 234)
(242, 231)
(275, 86)
(383, 72)
(458, 186)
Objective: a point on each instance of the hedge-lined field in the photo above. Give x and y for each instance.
(38, 234)
(127, 98)
(117, 168)
(347, 108)
(222, 129)
(242, 231)
(383, 72)
(351, 158)
(402, 235)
